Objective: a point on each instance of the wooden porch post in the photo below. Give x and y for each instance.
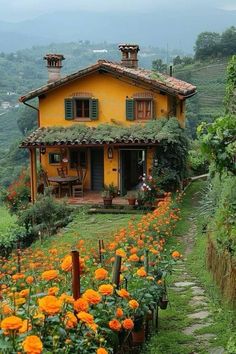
(33, 175)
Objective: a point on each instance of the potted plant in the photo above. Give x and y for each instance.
(131, 197)
(107, 198)
(141, 197)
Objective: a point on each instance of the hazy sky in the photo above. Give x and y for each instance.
(17, 10)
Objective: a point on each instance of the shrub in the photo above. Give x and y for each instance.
(17, 196)
(45, 215)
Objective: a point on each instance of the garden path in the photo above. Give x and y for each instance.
(188, 286)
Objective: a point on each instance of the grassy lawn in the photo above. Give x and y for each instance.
(6, 220)
(89, 228)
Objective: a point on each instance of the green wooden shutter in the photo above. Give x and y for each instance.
(69, 112)
(93, 108)
(129, 109)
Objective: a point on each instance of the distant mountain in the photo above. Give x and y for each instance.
(172, 29)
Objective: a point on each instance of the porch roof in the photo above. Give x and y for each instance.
(76, 135)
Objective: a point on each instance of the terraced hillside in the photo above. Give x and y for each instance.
(210, 81)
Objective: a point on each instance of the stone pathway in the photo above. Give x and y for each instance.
(199, 313)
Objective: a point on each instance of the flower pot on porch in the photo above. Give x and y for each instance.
(107, 201)
(131, 201)
(138, 337)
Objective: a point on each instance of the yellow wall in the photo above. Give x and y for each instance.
(111, 94)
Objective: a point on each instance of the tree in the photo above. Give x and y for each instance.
(228, 41)
(207, 45)
(158, 65)
(27, 120)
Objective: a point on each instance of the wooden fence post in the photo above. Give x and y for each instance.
(116, 271)
(75, 274)
(146, 261)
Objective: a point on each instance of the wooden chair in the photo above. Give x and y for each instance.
(78, 188)
(54, 188)
(62, 171)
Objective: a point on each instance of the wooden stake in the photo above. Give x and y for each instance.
(116, 271)
(18, 257)
(146, 261)
(75, 274)
(100, 250)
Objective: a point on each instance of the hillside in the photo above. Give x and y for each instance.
(209, 77)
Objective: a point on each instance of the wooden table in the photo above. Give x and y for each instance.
(63, 180)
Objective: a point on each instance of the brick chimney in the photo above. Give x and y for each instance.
(129, 55)
(54, 65)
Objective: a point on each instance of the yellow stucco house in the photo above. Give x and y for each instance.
(82, 119)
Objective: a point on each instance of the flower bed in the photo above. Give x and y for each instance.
(41, 314)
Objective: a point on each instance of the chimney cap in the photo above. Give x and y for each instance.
(54, 59)
(129, 47)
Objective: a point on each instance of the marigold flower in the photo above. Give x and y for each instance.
(67, 298)
(133, 258)
(50, 305)
(176, 255)
(133, 304)
(141, 272)
(11, 323)
(86, 317)
(128, 324)
(67, 263)
(32, 345)
(92, 296)
(81, 305)
(53, 291)
(120, 252)
(50, 274)
(101, 274)
(119, 312)
(26, 326)
(6, 309)
(102, 351)
(115, 325)
(123, 293)
(70, 320)
(24, 293)
(18, 276)
(29, 280)
(106, 289)
(20, 301)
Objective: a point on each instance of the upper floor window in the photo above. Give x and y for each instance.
(139, 109)
(81, 109)
(143, 109)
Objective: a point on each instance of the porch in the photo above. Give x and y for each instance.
(95, 198)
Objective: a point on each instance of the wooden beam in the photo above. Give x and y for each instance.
(33, 175)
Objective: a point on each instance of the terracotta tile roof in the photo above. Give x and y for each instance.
(152, 79)
(149, 133)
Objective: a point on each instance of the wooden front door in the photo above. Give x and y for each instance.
(97, 169)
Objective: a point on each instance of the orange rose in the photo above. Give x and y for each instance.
(50, 305)
(102, 351)
(115, 325)
(32, 345)
(92, 296)
(50, 275)
(85, 317)
(11, 323)
(119, 312)
(123, 293)
(141, 272)
(133, 304)
(106, 289)
(67, 263)
(128, 324)
(101, 274)
(81, 305)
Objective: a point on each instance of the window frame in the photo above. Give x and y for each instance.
(146, 100)
(81, 99)
(50, 154)
(78, 151)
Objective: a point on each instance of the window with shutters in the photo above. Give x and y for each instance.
(143, 109)
(81, 109)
